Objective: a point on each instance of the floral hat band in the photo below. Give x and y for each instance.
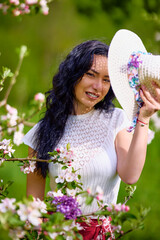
(133, 67)
(130, 66)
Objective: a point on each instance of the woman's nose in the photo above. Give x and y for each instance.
(97, 85)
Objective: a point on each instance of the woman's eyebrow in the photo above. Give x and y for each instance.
(107, 76)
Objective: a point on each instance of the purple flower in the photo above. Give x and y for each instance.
(68, 206)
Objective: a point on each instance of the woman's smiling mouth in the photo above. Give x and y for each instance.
(92, 95)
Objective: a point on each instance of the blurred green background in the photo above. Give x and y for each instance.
(49, 38)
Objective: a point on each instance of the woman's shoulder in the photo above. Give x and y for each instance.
(29, 138)
(111, 114)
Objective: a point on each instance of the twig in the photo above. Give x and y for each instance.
(25, 121)
(26, 159)
(130, 230)
(13, 81)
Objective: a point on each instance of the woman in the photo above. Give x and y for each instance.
(80, 112)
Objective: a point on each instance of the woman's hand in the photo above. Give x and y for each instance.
(151, 103)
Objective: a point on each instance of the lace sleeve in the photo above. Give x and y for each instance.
(122, 121)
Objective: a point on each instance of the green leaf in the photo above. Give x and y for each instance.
(127, 217)
(64, 167)
(89, 200)
(79, 236)
(59, 185)
(57, 218)
(60, 238)
(6, 72)
(68, 146)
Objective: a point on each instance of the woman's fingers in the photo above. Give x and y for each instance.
(147, 97)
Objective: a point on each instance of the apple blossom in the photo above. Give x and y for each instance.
(7, 204)
(1, 161)
(6, 147)
(38, 204)
(39, 97)
(60, 178)
(28, 167)
(30, 2)
(71, 192)
(28, 213)
(15, 2)
(70, 176)
(89, 191)
(99, 193)
(53, 235)
(17, 233)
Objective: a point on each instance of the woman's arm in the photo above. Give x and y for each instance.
(131, 150)
(35, 182)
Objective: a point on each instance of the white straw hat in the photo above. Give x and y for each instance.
(125, 47)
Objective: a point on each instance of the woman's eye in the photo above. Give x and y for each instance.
(90, 74)
(106, 80)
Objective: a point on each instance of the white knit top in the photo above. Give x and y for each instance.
(91, 137)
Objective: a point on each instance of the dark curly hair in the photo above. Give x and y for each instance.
(59, 101)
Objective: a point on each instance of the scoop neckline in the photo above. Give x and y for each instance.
(82, 116)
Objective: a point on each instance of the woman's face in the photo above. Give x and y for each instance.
(93, 86)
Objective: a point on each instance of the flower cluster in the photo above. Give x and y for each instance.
(6, 150)
(28, 166)
(68, 178)
(68, 206)
(60, 210)
(13, 123)
(118, 208)
(21, 7)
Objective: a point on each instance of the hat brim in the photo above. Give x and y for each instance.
(123, 44)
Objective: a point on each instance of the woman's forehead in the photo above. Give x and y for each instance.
(100, 62)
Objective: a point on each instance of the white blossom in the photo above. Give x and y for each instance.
(53, 235)
(39, 97)
(40, 205)
(7, 204)
(55, 194)
(17, 233)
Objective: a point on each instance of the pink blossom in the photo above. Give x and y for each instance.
(55, 194)
(70, 177)
(1, 161)
(156, 120)
(30, 214)
(17, 138)
(31, 2)
(28, 167)
(99, 193)
(15, 2)
(127, 208)
(39, 97)
(58, 150)
(89, 191)
(6, 147)
(16, 12)
(71, 192)
(60, 178)
(17, 233)
(53, 235)
(38, 204)
(109, 209)
(7, 204)
(150, 136)
(43, 3)
(45, 10)
(11, 110)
